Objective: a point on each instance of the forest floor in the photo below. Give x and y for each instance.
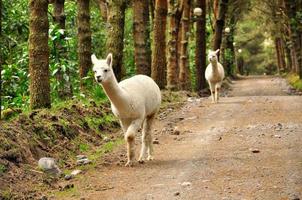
(248, 146)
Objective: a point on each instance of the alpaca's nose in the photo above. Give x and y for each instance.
(99, 79)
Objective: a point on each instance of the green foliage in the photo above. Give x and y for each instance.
(257, 46)
(295, 81)
(128, 53)
(2, 169)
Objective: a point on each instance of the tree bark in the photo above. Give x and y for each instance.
(115, 39)
(84, 39)
(0, 58)
(219, 24)
(278, 54)
(103, 9)
(184, 70)
(200, 51)
(216, 8)
(64, 89)
(290, 12)
(159, 64)
(141, 33)
(39, 55)
(174, 16)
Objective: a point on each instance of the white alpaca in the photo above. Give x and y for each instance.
(214, 75)
(135, 101)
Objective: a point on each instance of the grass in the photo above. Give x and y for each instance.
(2, 169)
(295, 81)
(74, 192)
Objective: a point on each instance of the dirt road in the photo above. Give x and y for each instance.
(246, 147)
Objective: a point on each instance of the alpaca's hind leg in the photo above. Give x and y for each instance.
(130, 139)
(149, 141)
(217, 91)
(144, 142)
(216, 94)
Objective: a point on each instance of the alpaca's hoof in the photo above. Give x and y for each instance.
(141, 161)
(150, 158)
(129, 164)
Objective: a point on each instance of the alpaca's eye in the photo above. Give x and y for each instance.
(105, 70)
(94, 71)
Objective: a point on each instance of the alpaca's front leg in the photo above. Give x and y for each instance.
(130, 140)
(212, 89)
(216, 94)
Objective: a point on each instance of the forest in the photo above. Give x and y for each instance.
(52, 106)
(45, 54)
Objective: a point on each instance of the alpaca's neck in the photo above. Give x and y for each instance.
(215, 66)
(115, 93)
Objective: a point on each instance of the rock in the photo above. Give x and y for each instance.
(75, 172)
(66, 187)
(277, 136)
(176, 193)
(68, 177)
(176, 131)
(155, 141)
(80, 157)
(106, 139)
(186, 184)
(44, 197)
(84, 161)
(255, 150)
(49, 165)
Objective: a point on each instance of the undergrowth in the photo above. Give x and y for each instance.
(295, 81)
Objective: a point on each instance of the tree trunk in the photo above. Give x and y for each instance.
(65, 89)
(200, 52)
(0, 58)
(184, 70)
(216, 8)
(278, 54)
(151, 10)
(159, 64)
(219, 24)
(282, 46)
(291, 12)
(115, 38)
(230, 50)
(288, 58)
(84, 39)
(300, 52)
(103, 9)
(174, 16)
(141, 32)
(39, 55)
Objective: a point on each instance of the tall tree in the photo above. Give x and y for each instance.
(141, 32)
(39, 54)
(0, 57)
(103, 9)
(159, 39)
(184, 71)
(290, 11)
(84, 39)
(219, 24)
(215, 8)
(200, 51)
(115, 39)
(65, 89)
(174, 16)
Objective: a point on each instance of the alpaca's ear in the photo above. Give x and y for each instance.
(93, 59)
(109, 59)
(210, 51)
(217, 51)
